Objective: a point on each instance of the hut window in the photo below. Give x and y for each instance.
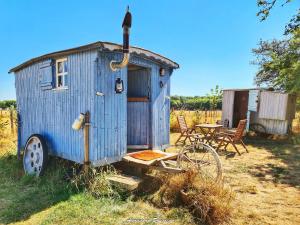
(61, 73)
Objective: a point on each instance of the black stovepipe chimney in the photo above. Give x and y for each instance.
(126, 25)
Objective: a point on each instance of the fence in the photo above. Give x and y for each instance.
(194, 117)
(8, 118)
(8, 131)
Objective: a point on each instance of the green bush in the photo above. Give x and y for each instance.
(196, 103)
(8, 104)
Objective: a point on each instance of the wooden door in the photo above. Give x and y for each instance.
(240, 106)
(138, 124)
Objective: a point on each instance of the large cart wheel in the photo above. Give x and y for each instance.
(258, 128)
(203, 158)
(35, 155)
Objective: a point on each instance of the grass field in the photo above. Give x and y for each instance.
(265, 182)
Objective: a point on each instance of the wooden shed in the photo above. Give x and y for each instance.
(271, 110)
(128, 107)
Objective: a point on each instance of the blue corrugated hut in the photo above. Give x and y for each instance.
(53, 89)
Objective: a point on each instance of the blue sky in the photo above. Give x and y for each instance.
(211, 40)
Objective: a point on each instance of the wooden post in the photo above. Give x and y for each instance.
(86, 141)
(11, 121)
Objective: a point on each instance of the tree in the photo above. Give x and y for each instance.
(279, 63)
(215, 96)
(279, 60)
(265, 8)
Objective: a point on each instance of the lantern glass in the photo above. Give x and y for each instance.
(119, 87)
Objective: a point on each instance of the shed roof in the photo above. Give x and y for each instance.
(259, 89)
(104, 46)
(245, 89)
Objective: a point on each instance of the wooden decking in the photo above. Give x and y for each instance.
(167, 156)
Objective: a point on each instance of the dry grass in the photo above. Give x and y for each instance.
(193, 118)
(265, 181)
(296, 123)
(209, 202)
(197, 117)
(8, 137)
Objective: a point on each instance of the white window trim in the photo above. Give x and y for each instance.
(64, 87)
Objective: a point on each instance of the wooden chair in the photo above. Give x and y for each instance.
(185, 132)
(225, 125)
(226, 138)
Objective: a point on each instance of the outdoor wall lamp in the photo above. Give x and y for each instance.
(119, 87)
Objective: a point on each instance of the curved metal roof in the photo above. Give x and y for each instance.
(104, 46)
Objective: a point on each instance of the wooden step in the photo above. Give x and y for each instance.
(129, 183)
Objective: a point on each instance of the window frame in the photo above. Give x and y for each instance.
(62, 74)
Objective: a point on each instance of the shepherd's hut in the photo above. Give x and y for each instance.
(119, 97)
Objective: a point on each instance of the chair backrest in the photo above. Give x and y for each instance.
(224, 123)
(182, 123)
(240, 130)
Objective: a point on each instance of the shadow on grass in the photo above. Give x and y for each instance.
(287, 152)
(22, 196)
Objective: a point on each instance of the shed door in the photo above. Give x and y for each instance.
(138, 108)
(253, 100)
(240, 106)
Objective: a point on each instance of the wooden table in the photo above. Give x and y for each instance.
(209, 131)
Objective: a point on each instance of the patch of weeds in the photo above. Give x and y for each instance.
(209, 202)
(295, 139)
(23, 195)
(96, 182)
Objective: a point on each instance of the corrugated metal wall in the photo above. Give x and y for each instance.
(273, 105)
(227, 106)
(52, 112)
(272, 126)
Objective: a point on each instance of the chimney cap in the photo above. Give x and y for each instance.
(127, 19)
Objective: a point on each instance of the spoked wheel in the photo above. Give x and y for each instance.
(35, 155)
(203, 158)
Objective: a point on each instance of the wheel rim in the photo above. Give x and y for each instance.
(203, 158)
(33, 156)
